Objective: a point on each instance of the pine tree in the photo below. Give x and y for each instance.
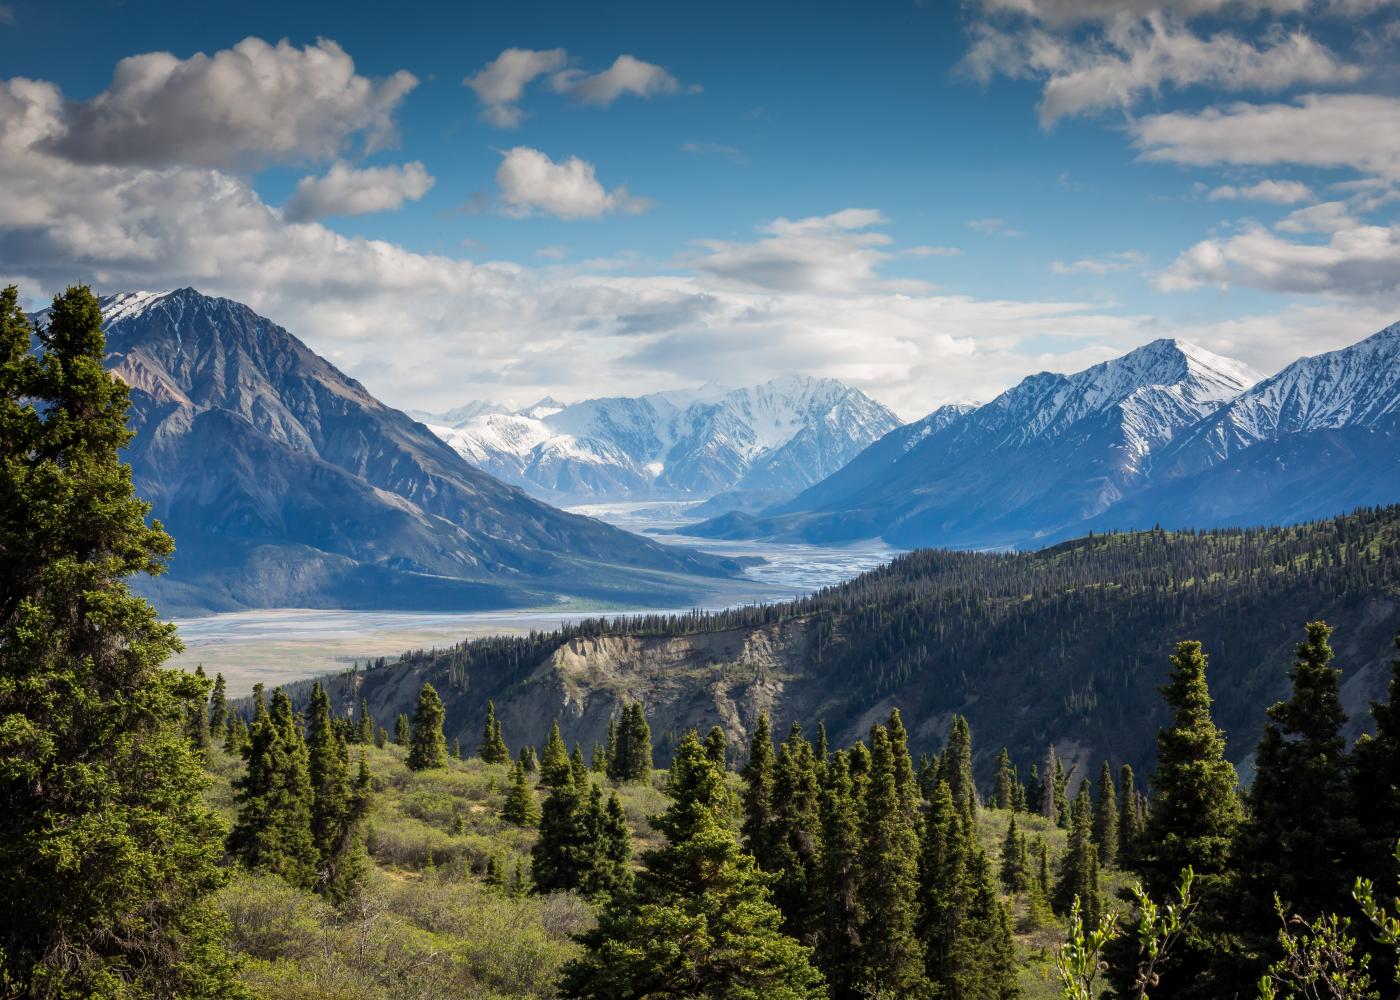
(1195, 811)
(630, 758)
(1079, 868)
(797, 841)
(493, 748)
(1106, 818)
(218, 709)
(1299, 834)
(336, 807)
(599, 763)
(759, 827)
(578, 767)
(957, 764)
(429, 747)
(606, 872)
(364, 725)
(890, 960)
(273, 830)
(1015, 870)
(1130, 818)
(94, 758)
(560, 859)
(401, 730)
(838, 939)
(699, 889)
(520, 807)
(905, 782)
(1006, 781)
(717, 747)
(554, 760)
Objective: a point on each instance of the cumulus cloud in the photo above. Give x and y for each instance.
(244, 106)
(1277, 192)
(1129, 59)
(627, 75)
(1124, 260)
(1324, 217)
(343, 190)
(1360, 131)
(531, 182)
(501, 83)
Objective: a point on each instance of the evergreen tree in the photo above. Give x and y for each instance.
(1061, 792)
(1042, 872)
(1376, 786)
(1130, 818)
(957, 764)
(1195, 811)
(520, 807)
(1106, 818)
(1035, 791)
(797, 841)
(108, 851)
(1048, 793)
(554, 760)
(364, 724)
(630, 759)
(607, 872)
(699, 923)
(905, 782)
(1006, 781)
(1015, 872)
(336, 807)
(717, 747)
(759, 826)
(838, 938)
(273, 830)
(429, 747)
(218, 709)
(236, 735)
(578, 767)
(456, 748)
(401, 730)
(890, 959)
(599, 763)
(1079, 868)
(493, 745)
(560, 857)
(529, 761)
(197, 711)
(381, 739)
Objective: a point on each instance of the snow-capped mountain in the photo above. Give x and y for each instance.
(770, 441)
(285, 483)
(1048, 453)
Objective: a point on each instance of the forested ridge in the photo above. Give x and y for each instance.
(1059, 645)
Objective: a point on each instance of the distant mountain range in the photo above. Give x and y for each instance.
(738, 448)
(1168, 434)
(285, 483)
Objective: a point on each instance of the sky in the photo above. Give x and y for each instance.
(928, 200)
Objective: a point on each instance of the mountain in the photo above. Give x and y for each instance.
(285, 483)
(1064, 645)
(763, 443)
(1038, 460)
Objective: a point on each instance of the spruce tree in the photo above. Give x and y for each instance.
(599, 763)
(235, 734)
(578, 767)
(1376, 786)
(108, 852)
(1106, 818)
(429, 746)
(364, 724)
(630, 759)
(381, 738)
(273, 830)
(717, 746)
(529, 760)
(337, 807)
(218, 709)
(493, 748)
(1061, 792)
(797, 842)
(699, 922)
(1079, 868)
(1195, 811)
(838, 938)
(890, 959)
(1015, 871)
(197, 711)
(905, 782)
(456, 748)
(401, 730)
(520, 807)
(759, 827)
(1130, 818)
(605, 872)
(554, 760)
(1299, 834)
(957, 764)
(1006, 781)
(560, 858)
(1049, 797)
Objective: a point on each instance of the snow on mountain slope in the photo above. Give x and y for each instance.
(772, 439)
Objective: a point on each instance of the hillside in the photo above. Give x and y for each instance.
(288, 484)
(1064, 645)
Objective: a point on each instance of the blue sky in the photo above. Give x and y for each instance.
(927, 200)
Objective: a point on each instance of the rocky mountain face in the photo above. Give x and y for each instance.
(285, 483)
(742, 446)
(1038, 461)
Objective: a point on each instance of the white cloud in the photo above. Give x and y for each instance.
(347, 191)
(1124, 260)
(993, 227)
(501, 83)
(927, 251)
(1324, 217)
(555, 251)
(1357, 261)
(1277, 192)
(1359, 131)
(531, 182)
(241, 107)
(627, 75)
